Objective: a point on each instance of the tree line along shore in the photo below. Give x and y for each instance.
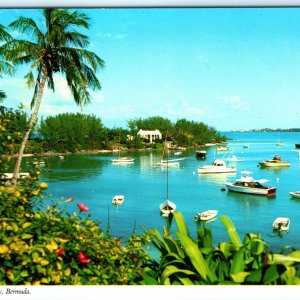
(82, 133)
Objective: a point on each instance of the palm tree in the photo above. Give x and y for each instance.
(57, 47)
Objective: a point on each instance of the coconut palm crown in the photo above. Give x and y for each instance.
(55, 47)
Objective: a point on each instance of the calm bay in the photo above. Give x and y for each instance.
(94, 180)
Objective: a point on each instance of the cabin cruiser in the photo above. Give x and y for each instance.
(246, 184)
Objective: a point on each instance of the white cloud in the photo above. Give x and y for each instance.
(235, 102)
(109, 35)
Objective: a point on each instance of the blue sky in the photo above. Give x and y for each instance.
(231, 68)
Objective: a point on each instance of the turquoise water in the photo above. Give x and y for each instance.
(94, 180)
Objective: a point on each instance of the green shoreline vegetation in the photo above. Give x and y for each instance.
(80, 133)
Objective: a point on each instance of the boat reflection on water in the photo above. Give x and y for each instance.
(219, 179)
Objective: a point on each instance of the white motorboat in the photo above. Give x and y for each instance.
(218, 166)
(206, 215)
(118, 199)
(123, 160)
(295, 194)
(167, 207)
(246, 184)
(281, 224)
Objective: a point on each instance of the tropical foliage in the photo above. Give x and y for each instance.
(41, 245)
(72, 132)
(53, 46)
(187, 260)
(183, 132)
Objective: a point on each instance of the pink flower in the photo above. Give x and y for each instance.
(84, 259)
(82, 207)
(69, 199)
(60, 252)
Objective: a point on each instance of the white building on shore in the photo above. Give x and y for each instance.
(151, 135)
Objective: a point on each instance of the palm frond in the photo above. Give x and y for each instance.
(4, 35)
(29, 27)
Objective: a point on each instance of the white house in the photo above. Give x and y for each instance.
(150, 134)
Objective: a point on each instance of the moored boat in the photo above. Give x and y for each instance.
(246, 184)
(222, 148)
(218, 166)
(201, 154)
(167, 207)
(206, 215)
(295, 194)
(123, 160)
(118, 199)
(281, 224)
(275, 162)
(8, 176)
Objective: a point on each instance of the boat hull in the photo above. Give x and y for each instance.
(295, 194)
(203, 170)
(118, 200)
(251, 190)
(274, 164)
(206, 215)
(123, 160)
(167, 207)
(281, 224)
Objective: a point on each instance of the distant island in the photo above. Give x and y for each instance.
(269, 130)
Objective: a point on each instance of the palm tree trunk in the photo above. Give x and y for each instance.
(32, 121)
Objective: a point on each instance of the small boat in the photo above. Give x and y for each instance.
(218, 166)
(167, 207)
(206, 215)
(233, 158)
(178, 153)
(123, 160)
(61, 156)
(222, 148)
(275, 162)
(7, 176)
(201, 154)
(279, 144)
(281, 224)
(246, 184)
(245, 146)
(295, 194)
(38, 162)
(118, 199)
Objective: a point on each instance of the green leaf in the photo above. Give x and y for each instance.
(180, 222)
(283, 259)
(271, 275)
(239, 277)
(238, 264)
(255, 276)
(233, 235)
(171, 270)
(173, 246)
(196, 257)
